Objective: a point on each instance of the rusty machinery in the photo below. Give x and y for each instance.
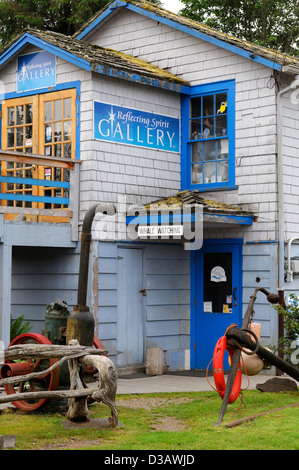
(60, 327)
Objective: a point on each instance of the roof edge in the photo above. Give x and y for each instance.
(171, 19)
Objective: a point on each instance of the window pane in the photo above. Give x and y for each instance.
(48, 151)
(48, 111)
(195, 130)
(10, 138)
(57, 110)
(196, 107)
(197, 176)
(222, 149)
(28, 136)
(57, 132)
(48, 133)
(11, 116)
(222, 172)
(28, 113)
(197, 152)
(208, 127)
(210, 172)
(221, 103)
(208, 105)
(221, 126)
(57, 150)
(67, 130)
(20, 115)
(210, 150)
(67, 151)
(67, 108)
(20, 134)
(218, 266)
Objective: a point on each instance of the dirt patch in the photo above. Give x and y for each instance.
(150, 403)
(169, 424)
(73, 443)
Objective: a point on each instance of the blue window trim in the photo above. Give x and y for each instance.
(60, 87)
(227, 86)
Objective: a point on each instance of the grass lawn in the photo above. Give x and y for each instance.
(166, 421)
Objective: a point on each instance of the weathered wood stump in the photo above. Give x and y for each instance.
(106, 391)
(76, 356)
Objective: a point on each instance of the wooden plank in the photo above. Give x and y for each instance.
(19, 157)
(37, 212)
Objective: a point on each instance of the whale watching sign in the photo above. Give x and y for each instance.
(133, 127)
(36, 70)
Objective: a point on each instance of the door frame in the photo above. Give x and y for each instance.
(196, 297)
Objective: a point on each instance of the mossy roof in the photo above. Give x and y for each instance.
(267, 53)
(107, 61)
(195, 198)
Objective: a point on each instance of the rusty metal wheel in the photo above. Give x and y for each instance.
(49, 381)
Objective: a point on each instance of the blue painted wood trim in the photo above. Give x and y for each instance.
(186, 29)
(156, 219)
(44, 199)
(29, 39)
(101, 18)
(229, 87)
(34, 182)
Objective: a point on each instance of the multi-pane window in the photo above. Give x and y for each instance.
(208, 141)
(44, 124)
(208, 129)
(19, 128)
(57, 132)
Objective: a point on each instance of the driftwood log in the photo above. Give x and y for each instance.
(76, 356)
(105, 392)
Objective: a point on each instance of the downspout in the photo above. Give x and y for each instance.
(280, 180)
(80, 324)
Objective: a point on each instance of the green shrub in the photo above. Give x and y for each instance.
(18, 327)
(291, 326)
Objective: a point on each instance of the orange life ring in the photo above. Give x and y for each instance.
(219, 351)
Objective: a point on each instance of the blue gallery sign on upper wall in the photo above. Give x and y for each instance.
(133, 127)
(36, 70)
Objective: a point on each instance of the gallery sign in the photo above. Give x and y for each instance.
(36, 70)
(133, 127)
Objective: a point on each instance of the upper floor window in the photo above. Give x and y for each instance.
(208, 130)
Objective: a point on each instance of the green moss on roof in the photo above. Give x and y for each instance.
(194, 198)
(267, 53)
(108, 61)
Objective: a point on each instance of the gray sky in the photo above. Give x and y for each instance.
(172, 5)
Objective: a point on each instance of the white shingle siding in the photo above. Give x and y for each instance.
(200, 62)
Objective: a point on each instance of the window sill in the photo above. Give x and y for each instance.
(210, 188)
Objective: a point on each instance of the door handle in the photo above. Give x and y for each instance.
(234, 296)
(234, 293)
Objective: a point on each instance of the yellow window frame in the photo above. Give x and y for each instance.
(65, 120)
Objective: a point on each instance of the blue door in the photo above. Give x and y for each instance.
(216, 296)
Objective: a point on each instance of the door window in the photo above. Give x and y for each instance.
(218, 283)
